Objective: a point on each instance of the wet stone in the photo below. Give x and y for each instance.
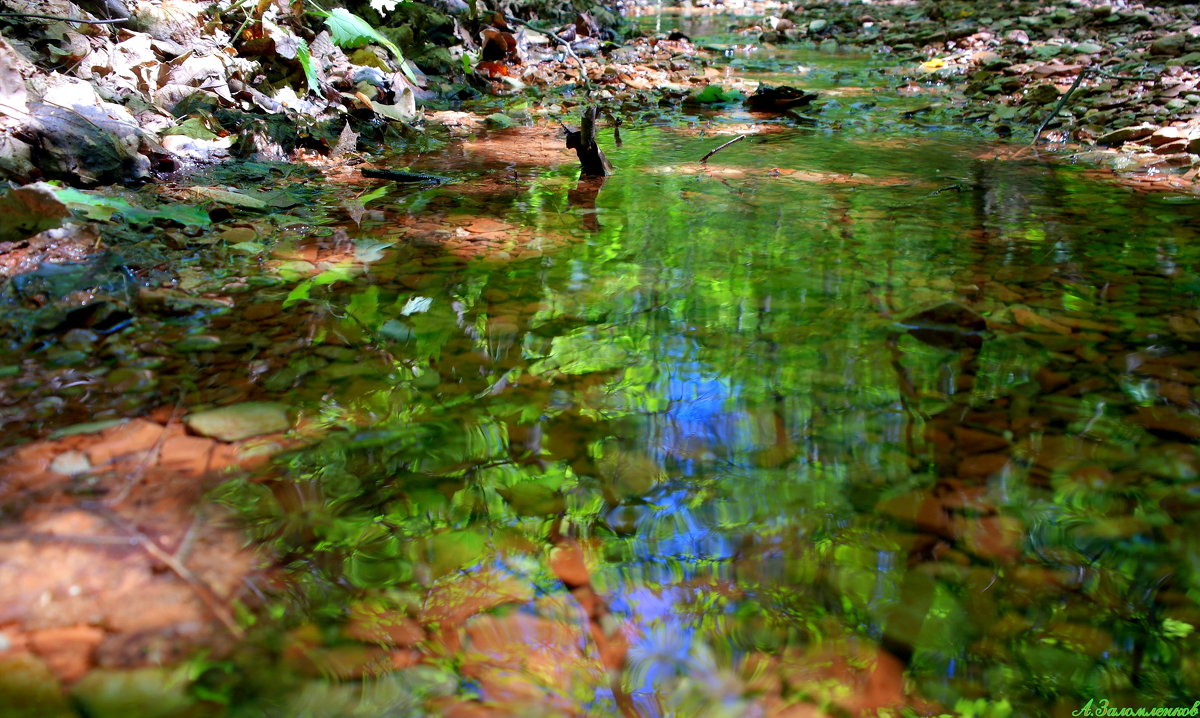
(79, 339)
(127, 380)
(1170, 45)
(263, 310)
(128, 438)
(58, 356)
(1125, 134)
(1042, 94)
(240, 421)
(189, 453)
(30, 689)
(197, 343)
(71, 463)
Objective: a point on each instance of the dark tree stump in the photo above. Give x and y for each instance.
(583, 141)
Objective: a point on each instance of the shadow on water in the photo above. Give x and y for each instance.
(828, 424)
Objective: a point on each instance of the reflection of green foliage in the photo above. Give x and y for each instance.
(706, 386)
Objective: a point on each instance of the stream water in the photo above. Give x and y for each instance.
(857, 415)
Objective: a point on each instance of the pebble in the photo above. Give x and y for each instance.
(71, 463)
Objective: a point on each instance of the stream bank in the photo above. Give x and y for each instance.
(1102, 83)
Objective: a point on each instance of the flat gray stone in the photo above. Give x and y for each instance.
(240, 421)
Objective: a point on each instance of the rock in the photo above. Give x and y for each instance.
(817, 26)
(67, 650)
(16, 159)
(30, 689)
(947, 326)
(1125, 134)
(71, 463)
(198, 343)
(1035, 322)
(1042, 94)
(983, 58)
(263, 310)
(1089, 48)
(1172, 148)
(1188, 60)
(1162, 420)
(1170, 45)
(1046, 52)
(1166, 135)
(976, 441)
(113, 693)
(500, 121)
(127, 380)
(188, 454)
(28, 211)
(81, 339)
(81, 137)
(128, 438)
(240, 421)
(1020, 37)
(982, 465)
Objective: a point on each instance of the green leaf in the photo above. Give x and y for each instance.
(500, 120)
(349, 31)
(193, 127)
(249, 247)
(374, 194)
(1177, 629)
(717, 94)
(94, 206)
(306, 63)
(299, 294)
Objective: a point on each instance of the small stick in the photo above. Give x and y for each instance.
(1061, 102)
(566, 46)
(739, 138)
(152, 456)
(206, 595)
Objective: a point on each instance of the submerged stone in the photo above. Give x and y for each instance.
(240, 421)
(197, 343)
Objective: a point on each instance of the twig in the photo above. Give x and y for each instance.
(566, 46)
(151, 457)
(739, 138)
(63, 19)
(1061, 102)
(150, 546)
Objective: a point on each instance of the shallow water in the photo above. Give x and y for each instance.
(714, 382)
(715, 441)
